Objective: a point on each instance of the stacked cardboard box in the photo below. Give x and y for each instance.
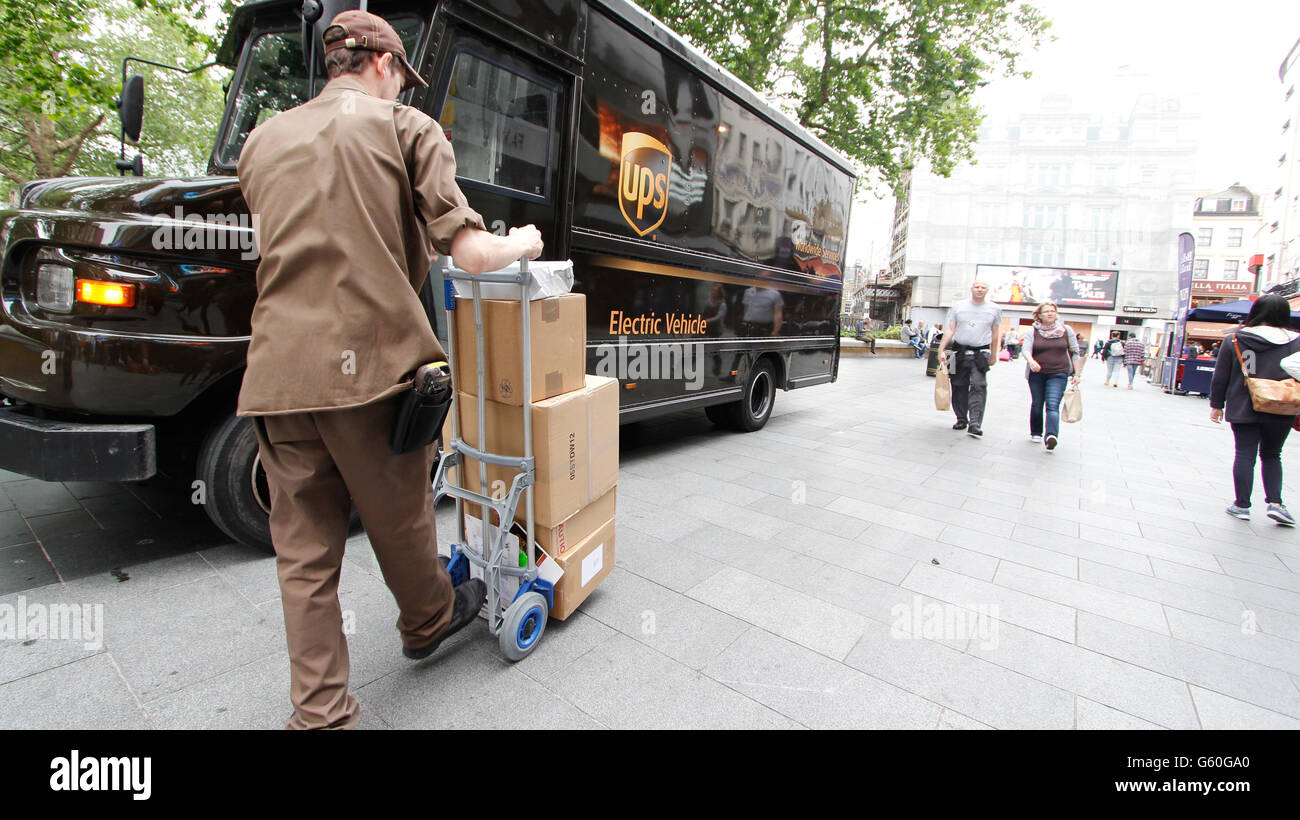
(575, 433)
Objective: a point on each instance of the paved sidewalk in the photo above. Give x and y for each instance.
(856, 564)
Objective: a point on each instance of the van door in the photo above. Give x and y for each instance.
(506, 115)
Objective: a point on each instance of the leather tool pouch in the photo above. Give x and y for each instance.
(419, 421)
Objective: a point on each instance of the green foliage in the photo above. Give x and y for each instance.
(60, 72)
(887, 82)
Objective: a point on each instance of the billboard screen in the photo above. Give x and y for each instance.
(1068, 287)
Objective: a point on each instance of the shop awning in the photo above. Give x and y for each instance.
(1231, 313)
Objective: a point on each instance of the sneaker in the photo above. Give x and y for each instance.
(1050, 443)
(470, 597)
(1279, 513)
(1116, 384)
(1239, 512)
(1036, 439)
(1130, 387)
(975, 431)
(960, 425)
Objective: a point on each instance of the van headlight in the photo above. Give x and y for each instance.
(54, 287)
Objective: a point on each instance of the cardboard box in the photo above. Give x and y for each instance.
(585, 566)
(559, 342)
(575, 442)
(563, 537)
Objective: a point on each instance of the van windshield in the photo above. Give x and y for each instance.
(274, 79)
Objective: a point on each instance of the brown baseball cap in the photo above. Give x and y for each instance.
(361, 29)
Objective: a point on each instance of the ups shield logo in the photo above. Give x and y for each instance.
(643, 182)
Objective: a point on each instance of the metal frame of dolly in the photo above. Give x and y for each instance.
(519, 624)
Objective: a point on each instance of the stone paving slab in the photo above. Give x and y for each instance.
(856, 564)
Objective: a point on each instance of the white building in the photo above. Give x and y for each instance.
(1226, 225)
(1281, 234)
(1061, 184)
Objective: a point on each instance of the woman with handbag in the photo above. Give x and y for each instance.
(1247, 388)
(1052, 357)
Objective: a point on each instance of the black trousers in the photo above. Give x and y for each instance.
(1265, 439)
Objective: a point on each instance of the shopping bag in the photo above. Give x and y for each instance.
(1072, 405)
(942, 390)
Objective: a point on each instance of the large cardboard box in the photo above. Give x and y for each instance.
(575, 442)
(563, 537)
(585, 566)
(559, 341)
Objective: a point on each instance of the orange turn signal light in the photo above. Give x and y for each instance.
(110, 294)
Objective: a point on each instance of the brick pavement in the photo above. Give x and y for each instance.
(856, 564)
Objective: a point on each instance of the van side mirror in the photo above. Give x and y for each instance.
(130, 106)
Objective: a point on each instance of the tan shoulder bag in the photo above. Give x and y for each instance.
(1280, 397)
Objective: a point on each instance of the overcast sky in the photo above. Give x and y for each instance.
(1223, 57)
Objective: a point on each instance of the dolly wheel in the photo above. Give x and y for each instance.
(524, 623)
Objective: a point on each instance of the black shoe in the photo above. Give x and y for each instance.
(469, 600)
(960, 425)
(975, 431)
(1050, 443)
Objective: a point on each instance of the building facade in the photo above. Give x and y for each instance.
(1062, 184)
(1280, 236)
(1227, 226)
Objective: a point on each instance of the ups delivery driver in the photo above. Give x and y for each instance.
(352, 189)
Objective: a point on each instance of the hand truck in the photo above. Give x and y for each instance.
(519, 622)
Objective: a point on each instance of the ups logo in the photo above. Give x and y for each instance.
(643, 181)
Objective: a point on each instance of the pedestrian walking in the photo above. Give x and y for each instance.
(1134, 354)
(1264, 340)
(1012, 342)
(973, 331)
(1052, 357)
(1114, 356)
(1097, 348)
(337, 333)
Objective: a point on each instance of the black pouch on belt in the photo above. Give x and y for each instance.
(423, 409)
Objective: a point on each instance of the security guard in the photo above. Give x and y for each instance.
(351, 189)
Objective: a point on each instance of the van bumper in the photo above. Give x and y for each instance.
(70, 451)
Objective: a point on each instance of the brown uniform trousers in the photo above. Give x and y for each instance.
(314, 462)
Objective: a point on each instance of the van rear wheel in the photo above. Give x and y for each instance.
(755, 406)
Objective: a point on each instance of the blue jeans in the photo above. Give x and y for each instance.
(1046, 389)
(1113, 363)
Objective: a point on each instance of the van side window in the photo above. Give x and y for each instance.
(499, 124)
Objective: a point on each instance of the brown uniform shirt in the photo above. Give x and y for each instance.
(349, 191)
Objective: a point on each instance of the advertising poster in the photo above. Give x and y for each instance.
(1186, 256)
(1068, 287)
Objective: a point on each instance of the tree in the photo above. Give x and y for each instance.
(60, 68)
(887, 82)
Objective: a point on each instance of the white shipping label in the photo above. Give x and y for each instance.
(593, 564)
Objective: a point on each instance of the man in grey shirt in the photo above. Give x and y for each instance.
(973, 332)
